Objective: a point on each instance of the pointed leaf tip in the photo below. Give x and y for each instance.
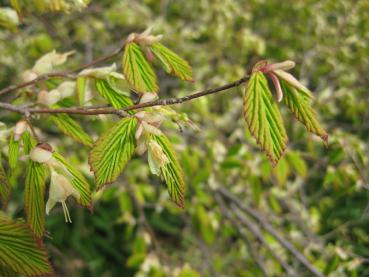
(138, 72)
(112, 151)
(172, 63)
(263, 118)
(299, 104)
(171, 171)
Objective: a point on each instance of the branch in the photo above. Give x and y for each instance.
(268, 227)
(121, 112)
(67, 74)
(253, 251)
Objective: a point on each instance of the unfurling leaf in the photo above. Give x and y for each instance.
(5, 188)
(78, 181)
(112, 151)
(115, 97)
(29, 142)
(299, 104)
(49, 61)
(13, 151)
(99, 72)
(171, 171)
(263, 118)
(34, 197)
(19, 251)
(137, 70)
(172, 63)
(9, 19)
(71, 128)
(81, 89)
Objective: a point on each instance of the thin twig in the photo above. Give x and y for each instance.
(268, 227)
(67, 74)
(253, 251)
(254, 229)
(40, 78)
(159, 102)
(142, 218)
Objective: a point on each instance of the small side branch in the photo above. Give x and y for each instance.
(65, 75)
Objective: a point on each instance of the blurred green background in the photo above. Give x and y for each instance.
(316, 197)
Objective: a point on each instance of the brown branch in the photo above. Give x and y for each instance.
(67, 74)
(121, 112)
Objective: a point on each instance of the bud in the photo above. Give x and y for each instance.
(46, 63)
(48, 98)
(148, 97)
(98, 72)
(277, 86)
(66, 89)
(28, 76)
(42, 153)
(145, 38)
(286, 65)
(19, 129)
(292, 81)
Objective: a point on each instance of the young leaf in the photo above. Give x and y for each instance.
(116, 98)
(137, 70)
(19, 250)
(172, 63)
(5, 188)
(81, 88)
(171, 171)
(7, 272)
(34, 197)
(71, 128)
(263, 118)
(13, 151)
(112, 151)
(299, 104)
(79, 182)
(29, 142)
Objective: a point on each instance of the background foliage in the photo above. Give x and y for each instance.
(316, 197)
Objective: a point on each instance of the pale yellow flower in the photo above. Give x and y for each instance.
(60, 190)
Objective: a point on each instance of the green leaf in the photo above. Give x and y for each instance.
(71, 128)
(172, 171)
(115, 97)
(78, 181)
(112, 151)
(263, 118)
(7, 272)
(28, 142)
(172, 63)
(13, 151)
(5, 188)
(20, 252)
(34, 197)
(203, 224)
(137, 70)
(299, 104)
(81, 88)
(297, 163)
